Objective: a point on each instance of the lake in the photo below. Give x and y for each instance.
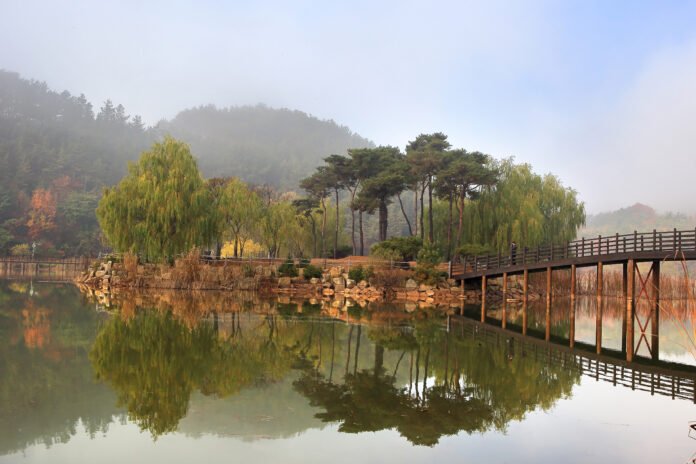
(213, 377)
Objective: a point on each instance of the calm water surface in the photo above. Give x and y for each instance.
(222, 378)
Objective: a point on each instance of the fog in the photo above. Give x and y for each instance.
(601, 95)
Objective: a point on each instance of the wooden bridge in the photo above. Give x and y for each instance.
(44, 268)
(628, 250)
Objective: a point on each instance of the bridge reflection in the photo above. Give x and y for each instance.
(631, 359)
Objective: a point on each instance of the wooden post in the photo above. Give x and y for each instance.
(505, 284)
(624, 278)
(598, 324)
(655, 316)
(525, 299)
(548, 283)
(547, 335)
(630, 295)
(483, 298)
(572, 322)
(600, 279)
(573, 281)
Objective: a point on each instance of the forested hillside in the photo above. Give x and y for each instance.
(57, 152)
(258, 144)
(55, 156)
(638, 217)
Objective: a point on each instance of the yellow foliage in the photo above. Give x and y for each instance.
(250, 248)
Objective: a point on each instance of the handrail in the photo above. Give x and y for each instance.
(663, 241)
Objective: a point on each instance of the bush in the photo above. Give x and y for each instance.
(473, 249)
(311, 272)
(304, 262)
(343, 251)
(398, 248)
(287, 269)
(390, 278)
(356, 273)
(428, 259)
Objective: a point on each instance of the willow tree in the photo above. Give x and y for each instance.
(525, 208)
(160, 208)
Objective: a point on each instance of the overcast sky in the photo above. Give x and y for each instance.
(603, 94)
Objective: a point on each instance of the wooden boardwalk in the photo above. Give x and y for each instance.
(45, 268)
(674, 245)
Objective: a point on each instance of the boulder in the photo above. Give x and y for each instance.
(338, 282)
(335, 272)
(314, 281)
(411, 285)
(350, 283)
(100, 274)
(284, 282)
(327, 292)
(362, 284)
(424, 288)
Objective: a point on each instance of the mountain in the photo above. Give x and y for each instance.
(639, 217)
(261, 145)
(56, 155)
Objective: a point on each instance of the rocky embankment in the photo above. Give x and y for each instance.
(334, 283)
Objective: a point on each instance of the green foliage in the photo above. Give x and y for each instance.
(357, 273)
(473, 249)
(398, 248)
(428, 258)
(288, 269)
(311, 272)
(161, 208)
(523, 207)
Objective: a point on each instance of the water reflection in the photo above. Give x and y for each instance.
(237, 366)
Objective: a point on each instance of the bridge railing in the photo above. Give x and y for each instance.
(673, 241)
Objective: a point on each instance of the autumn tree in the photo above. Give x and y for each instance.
(161, 207)
(42, 215)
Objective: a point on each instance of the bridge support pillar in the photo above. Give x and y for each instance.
(573, 280)
(600, 279)
(630, 295)
(549, 274)
(655, 316)
(598, 324)
(525, 299)
(483, 298)
(503, 323)
(571, 335)
(547, 334)
(624, 275)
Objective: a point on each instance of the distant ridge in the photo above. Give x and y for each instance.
(638, 217)
(259, 144)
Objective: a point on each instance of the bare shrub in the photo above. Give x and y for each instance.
(390, 278)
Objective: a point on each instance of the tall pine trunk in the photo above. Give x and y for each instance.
(382, 220)
(415, 206)
(431, 234)
(323, 229)
(362, 237)
(449, 228)
(403, 211)
(335, 249)
(422, 207)
(352, 220)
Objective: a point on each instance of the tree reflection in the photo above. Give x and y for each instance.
(475, 388)
(155, 361)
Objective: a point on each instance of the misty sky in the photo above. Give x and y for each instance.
(601, 93)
